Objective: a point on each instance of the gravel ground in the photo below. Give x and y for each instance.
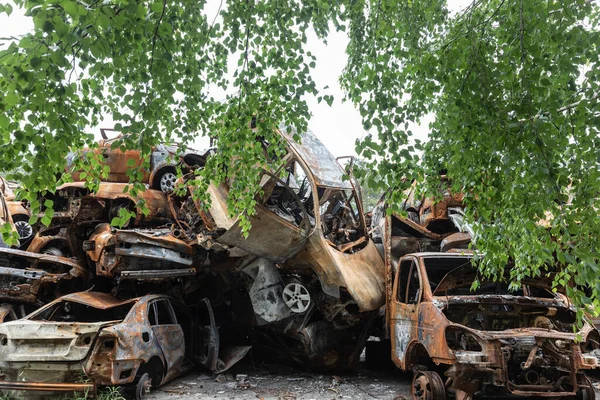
(270, 382)
(247, 381)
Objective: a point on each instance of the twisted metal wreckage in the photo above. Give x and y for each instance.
(305, 284)
(492, 341)
(180, 285)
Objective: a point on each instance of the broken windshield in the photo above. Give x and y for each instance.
(454, 276)
(340, 217)
(291, 197)
(70, 311)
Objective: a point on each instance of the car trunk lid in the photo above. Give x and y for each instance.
(22, 341)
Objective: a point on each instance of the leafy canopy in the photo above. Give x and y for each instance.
(512, 85)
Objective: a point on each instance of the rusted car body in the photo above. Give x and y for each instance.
(139, 254)
(27, 277)
(74, 202)
(78, 211)
(18, 210)
(165, 159)
(492, 341)
(99, 340)
(5, 217)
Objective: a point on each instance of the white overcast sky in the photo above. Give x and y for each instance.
(337, 126)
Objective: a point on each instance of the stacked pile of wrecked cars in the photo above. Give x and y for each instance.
(87, 305)
(180, 285)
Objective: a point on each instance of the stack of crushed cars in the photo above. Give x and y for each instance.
(180, 285)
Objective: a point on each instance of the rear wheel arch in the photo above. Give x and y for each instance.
(155, 367)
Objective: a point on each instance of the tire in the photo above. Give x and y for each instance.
(24, 229)
(585, 390)
(165, 180)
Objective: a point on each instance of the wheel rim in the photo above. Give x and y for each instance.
(428, 385)
(24, 230)
(143, 387)
(586, 391)
(167, 182)
(422, 388)
(296, 297)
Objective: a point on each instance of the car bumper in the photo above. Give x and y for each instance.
(89, 388)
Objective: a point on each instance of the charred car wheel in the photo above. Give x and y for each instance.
(586, 390)
(427, 385)
(143, 387)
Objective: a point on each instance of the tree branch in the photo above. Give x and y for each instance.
(155, 36)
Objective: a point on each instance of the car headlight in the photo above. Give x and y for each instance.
(461, 339)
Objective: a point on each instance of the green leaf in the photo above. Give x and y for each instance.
(157, 7)
(70, 8)
(36, 62)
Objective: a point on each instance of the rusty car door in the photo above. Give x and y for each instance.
(169, 336)
(404, 309)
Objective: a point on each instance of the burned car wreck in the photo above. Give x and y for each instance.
(312, 275)
(86, 340)
(493, 341)
(165, 159)
(32, 278)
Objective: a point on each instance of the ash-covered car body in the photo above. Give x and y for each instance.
(164, 161)
(97, 339)
(491, 341)
(27, 277)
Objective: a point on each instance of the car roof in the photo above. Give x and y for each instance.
(104, 301)
(322, 164)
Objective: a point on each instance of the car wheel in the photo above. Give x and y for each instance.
(166, 181)
(143, 386)
(427, 385)
(585, 390)
(24, 229)
(297, 297)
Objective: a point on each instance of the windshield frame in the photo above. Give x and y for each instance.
(34, 315)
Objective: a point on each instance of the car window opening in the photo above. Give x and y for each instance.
(69, 311)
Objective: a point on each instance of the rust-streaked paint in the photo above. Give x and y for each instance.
(418, 336)
(52, 356)
(117, 251)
